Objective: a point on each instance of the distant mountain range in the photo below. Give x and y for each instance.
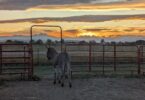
(44, 38)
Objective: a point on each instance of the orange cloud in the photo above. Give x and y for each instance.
(5, 34)
(77, 29)
(98, 32)
(91, 32)
(110, 6)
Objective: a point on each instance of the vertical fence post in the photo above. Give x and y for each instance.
(139, 63)
(30, 72)
(25, 59)
(0, 59)
(90, 57)
(141, 55)
(103, 60)
(32, 66)
(38, 56)
(115, 57)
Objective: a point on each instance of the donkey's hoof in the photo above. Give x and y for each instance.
(62, 85)
(59, 81)
(54, 82)
(70, 85)
(66, 77)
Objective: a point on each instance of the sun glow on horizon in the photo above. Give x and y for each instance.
(89, 34)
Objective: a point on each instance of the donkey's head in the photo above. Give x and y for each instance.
(51, 53)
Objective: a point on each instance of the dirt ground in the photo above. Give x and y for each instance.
(83, 89)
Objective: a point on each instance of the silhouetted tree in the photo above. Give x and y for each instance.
(18, 42)
(39, 41)
(102, 41)
(9, 41)
(113, 43)
(93, 42)
(140, 42)
(83, 42)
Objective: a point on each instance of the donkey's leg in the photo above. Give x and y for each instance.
(70, 78)
(63, 75)
(69, 73)
(55, 76)
(59, 75)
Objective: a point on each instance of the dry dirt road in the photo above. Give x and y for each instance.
(83, 89)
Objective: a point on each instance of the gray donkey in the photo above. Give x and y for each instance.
(61, 63)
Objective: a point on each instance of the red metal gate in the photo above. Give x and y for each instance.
(122, 59)
(16, 59)
(141, 60)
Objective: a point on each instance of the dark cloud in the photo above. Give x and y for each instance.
(72, 31)
(48, 30)
(117, 30)
(97, 29)
(69, 31)
(85, 18)
(102, 30)
(25, 4)
(134, 28)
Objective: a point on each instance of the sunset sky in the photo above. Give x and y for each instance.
(100, 18)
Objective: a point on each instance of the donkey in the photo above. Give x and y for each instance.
(61, 64)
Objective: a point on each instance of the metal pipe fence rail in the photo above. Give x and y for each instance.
(142, 60)
(16, 59)
(123, 59)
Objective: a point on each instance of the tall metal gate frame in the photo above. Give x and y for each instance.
(51, 26)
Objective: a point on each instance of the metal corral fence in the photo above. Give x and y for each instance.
(16, 59)
(121, 59)
(104, 59)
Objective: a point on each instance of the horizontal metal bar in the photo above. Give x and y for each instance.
(142, 52)
(100, 51)
(8, 68)
(126, 57)
(119, 57)
(17, 51)
(142, 63)
(104, 70)
(16, 57)
(15, 63)
(99, 45)
(15, 44)
(4, 73)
